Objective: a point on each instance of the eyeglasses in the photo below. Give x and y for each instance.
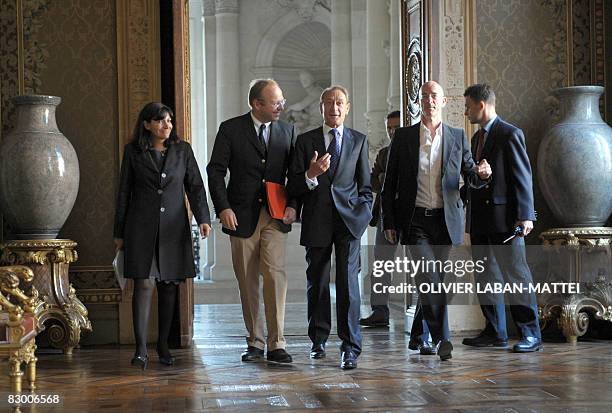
(277, 105)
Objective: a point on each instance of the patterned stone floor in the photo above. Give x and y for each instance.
(211, 378)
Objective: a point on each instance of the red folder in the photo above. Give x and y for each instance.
(277, 199)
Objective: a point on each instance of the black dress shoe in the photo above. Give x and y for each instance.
(140, 361)
(426, 349)
(252, 354)
(445, 349)
(317, 351)
(165, 357)
(414, 344)
(376, 319)
(349, 360)
(279, 356)
(485, 340)
(528, 345)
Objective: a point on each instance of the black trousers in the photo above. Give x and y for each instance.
(348, 299)
(505, 263)
(428, 240)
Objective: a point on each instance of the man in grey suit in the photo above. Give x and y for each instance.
(426, 161)
(337, 199)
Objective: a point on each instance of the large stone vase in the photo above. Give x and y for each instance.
(575, 160)
(39, 171)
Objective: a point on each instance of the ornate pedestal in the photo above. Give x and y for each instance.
(580, 247)
(64, 316)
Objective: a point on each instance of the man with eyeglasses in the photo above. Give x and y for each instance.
(256, 149)
(331, 176)
(426, 161)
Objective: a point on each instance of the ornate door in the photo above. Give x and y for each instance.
(415, 18)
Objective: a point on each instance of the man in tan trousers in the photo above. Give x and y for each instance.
(256, 148)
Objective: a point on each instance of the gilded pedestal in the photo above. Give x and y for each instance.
(579, 246)
(64, 315)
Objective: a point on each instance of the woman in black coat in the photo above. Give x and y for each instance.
(151, 223)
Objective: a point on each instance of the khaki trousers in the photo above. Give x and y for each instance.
(262, 254)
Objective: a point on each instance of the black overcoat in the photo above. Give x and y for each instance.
(151, 205)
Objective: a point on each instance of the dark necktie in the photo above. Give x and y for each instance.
(481, 144)
(262, 128)
(334, 150)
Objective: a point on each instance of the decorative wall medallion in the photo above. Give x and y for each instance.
(413, 77)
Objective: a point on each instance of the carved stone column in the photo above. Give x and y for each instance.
(395, 86)
(228, 59)
(377, 23)
(64, 315)
(341, 56)
(210, 51)
(571, 311)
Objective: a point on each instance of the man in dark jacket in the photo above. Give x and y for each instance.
(256, 149)
(493, 213)
(426, 162)
(383, 249)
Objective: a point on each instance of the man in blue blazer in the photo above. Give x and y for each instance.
(330, 175)
(494, 212)
(426, 161)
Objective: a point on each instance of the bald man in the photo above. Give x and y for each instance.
(426, 161)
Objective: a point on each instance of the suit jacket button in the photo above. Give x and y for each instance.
(160, 191)
(259, 200)
(163, 175)
(487, 202)
(162, 209)
(263, 180)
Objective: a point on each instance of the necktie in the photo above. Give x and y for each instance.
(481, 144)
(334, 150)
(262, 128)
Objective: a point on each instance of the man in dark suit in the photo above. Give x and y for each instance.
(256, 149)
(336, 195)
(493, 213)
(383, 249)
(425, 164)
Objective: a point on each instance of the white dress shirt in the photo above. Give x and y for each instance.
(429, 178)
(266, 132)
(312, 183)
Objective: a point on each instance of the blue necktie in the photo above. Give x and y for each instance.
(334, 150)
